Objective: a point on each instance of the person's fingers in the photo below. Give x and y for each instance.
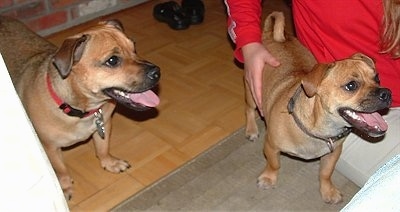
(256, 56)
(255, 84)
(271, 60)
(257, 90)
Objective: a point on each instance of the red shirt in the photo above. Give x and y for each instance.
(330, 29)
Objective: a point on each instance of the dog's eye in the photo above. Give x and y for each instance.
(351, 86)
(113, 61)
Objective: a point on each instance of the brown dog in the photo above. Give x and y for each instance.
(70, 92)
(310, 108)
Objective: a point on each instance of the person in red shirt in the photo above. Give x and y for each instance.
(332, 30)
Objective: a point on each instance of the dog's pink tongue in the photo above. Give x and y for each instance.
(374, 120)
(147, 98)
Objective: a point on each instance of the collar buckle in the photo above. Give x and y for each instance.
(67, 109)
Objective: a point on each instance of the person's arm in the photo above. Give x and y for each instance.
(243, 23)
(244, 18)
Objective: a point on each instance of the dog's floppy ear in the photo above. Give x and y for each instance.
(365, 58)
(312, 79)
(115, 23)
(68, 54)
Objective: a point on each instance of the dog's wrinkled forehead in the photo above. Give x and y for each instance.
(358, 64)
(110, 33)
(356, 69)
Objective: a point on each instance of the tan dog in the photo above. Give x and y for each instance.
(310, 108)
(70, 92)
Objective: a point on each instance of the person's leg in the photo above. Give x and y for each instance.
(380, 193)
(361, 158)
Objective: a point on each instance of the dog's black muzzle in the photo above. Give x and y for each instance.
(141, 97)
(384, 95)
(151, 76)
(153, 72)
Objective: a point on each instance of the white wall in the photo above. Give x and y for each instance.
(28, 182)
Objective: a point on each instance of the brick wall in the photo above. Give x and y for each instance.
(49, 16)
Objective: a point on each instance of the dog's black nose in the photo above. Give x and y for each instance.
(154, 73)
(385, 95)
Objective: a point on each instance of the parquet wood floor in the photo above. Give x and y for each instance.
(202, 102)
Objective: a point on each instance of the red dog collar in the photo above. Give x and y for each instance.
(66, 108)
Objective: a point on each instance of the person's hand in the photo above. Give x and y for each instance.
(255, 57)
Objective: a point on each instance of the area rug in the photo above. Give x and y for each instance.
(224, 179)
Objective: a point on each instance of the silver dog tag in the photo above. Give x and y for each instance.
(99, 123)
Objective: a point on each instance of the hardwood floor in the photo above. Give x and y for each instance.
(202, 102)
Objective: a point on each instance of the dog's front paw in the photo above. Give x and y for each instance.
(251, 133)
(264, 182)
(115, 165)
(331, 195)
(66, 183)
(252, 137)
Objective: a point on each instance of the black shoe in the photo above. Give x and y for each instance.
(194, 10)
(171, 13)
